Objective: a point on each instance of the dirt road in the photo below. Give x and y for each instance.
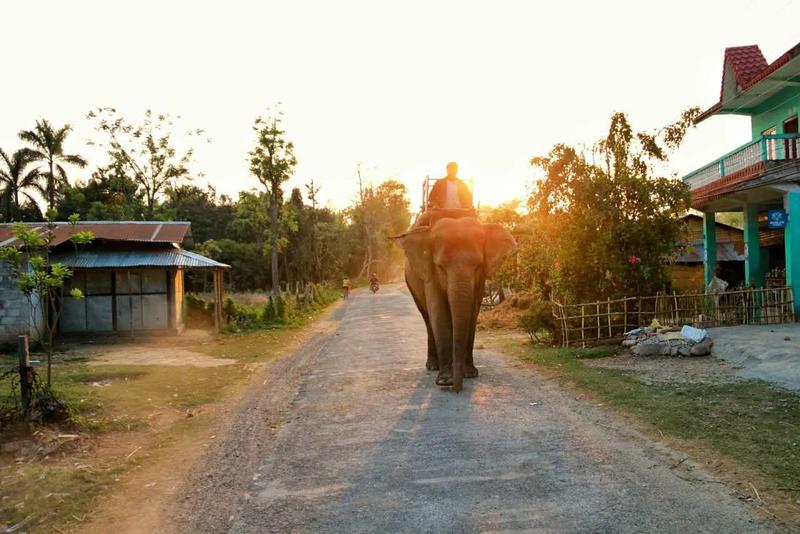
(367, 443)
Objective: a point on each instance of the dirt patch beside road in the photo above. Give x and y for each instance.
(153, 355)
(653, 369)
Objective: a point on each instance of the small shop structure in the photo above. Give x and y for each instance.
(761, 178)
(131, 275)
(686, 272)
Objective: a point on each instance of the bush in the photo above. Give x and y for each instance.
(538, 322)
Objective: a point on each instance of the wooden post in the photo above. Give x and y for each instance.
(217, 300)
(130, 302)
(638, 312)
(625, 315)
(677, 314)
(25, 376)
(608, 309)
(597, 312)
(583, 327)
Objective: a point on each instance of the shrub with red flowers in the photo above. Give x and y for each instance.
(604, 224)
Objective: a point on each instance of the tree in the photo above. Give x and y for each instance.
(210, 214)
(145, 152)
(47, 146)
(39, 279)
(605, 230)
(272, 161)
(316, 267)
(18, 179)
(106, 196)
(380, 213)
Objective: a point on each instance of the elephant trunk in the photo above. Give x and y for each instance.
(461, 298)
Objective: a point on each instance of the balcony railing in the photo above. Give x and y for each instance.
(775, 147)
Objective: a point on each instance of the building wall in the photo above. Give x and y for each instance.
(16, 315)
(777, 109)
(119, 301)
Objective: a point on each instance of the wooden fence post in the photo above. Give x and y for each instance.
(217, 300)
(25, 376)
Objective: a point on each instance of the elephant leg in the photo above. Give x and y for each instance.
(432, 363)
(470, 371)
(442, 327)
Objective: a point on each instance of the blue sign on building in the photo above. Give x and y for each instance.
(776, 219)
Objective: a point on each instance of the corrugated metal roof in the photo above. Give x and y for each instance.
(136, 231)
(129, 259)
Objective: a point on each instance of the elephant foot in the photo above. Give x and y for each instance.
(470, 372)
(444, 378)
(432, 365)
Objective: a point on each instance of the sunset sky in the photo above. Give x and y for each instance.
(402, 87)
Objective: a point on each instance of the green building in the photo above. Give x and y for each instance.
(761, 178)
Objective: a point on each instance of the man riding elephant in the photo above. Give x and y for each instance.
(449, 197)
(450, 192)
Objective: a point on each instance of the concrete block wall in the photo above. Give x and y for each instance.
(15, 309)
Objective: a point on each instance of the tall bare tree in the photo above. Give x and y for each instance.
(144, 152)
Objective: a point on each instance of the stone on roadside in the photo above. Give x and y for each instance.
(650, 349)
(703, 348)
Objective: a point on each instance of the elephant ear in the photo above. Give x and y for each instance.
(498, 244)
(416, 245)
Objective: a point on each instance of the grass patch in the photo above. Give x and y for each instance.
(42, 495)
(147, 408)
(751, 422)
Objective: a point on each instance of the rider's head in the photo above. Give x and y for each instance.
(452, 169)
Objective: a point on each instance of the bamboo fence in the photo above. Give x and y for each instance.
(591, 322)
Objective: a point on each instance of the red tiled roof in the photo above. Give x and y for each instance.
(749, 67)
(747, 62)
(146, 231)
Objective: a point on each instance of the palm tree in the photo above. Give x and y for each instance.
(17, 179)
(48, 147)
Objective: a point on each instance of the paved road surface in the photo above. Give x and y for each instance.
(372, 445)
(764, 352)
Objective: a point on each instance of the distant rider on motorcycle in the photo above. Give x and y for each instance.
(373, 282)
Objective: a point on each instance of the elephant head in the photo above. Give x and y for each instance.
(451, 261)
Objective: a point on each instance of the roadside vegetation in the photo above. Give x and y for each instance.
(746, 430)
(288, 255)
(122, 417)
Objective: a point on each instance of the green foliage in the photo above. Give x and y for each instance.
(279, 309)
(18, 180)
(109, 195)
(603, 230)
(46, 145)
(41, 280)
(538, 322)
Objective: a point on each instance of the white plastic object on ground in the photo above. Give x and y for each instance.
(695, 334)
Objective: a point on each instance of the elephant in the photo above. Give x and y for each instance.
(447, 264)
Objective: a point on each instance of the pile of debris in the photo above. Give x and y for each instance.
(655, 340)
